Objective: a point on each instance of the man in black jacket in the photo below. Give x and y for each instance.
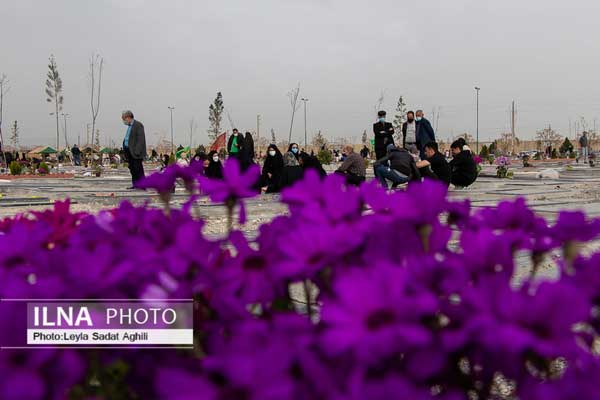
(464, 168)
(397, 166)
(435, 166)
(134, 146)
(425, 133)
(384, 135)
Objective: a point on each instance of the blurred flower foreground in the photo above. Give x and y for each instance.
(403, 295)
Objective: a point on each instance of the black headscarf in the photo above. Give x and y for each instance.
(308, 161)
(215, 168)
(273, 164)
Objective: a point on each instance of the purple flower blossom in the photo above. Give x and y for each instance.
(376, 314)
(235, 186)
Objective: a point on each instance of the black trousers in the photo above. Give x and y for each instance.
(136, 166)
(352, 179)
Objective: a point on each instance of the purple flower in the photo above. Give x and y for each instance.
(183, 384)
(235, 186)
(573, 226)
(376, 313)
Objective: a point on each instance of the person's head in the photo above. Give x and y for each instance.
(381, 116)
(430, 149)
(294, 148)
(390, 147)
(213, 157)
(456, 146)
(348, 149)
(235, 132)
(303, 159)
(127, 117)
(410, 116)
(272, 150)
(419, 115)
(584, 133)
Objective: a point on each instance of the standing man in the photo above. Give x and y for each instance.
(424, 133)
(583, 143)
(134, 147)
(76, 155)
(384, 135)
(235, 146)
(409, 131)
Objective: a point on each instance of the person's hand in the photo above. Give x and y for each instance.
(269, 175)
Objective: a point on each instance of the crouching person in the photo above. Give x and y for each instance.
(398, 166)
(464, 168)
(353, 168)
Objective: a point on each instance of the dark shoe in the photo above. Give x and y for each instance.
(131, 188)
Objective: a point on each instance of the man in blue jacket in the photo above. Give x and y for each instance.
(425, 133)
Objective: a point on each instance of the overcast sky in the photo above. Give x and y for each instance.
(544, 54)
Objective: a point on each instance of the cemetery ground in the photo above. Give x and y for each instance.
(575, 187)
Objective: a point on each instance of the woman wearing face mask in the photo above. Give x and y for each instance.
(214, 169)
(294, 149)
(272, 170)
(292, 171)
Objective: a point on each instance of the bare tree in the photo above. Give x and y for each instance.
(548, 136)
(96, 65)
(273, 138)
(319, 141)
(54, 90)
(4, 89)
(364, 138)
(379, 104)
(293, 95)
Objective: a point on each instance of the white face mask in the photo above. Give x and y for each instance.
(418, 118)
(216, 158)
(271, 153)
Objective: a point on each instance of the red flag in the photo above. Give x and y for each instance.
(219, 142)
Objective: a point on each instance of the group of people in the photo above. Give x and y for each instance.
(417, 157)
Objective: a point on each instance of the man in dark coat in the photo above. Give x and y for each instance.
(425, 133)
(435, 166)
(464, 168)
(384, 135)
(134, 146)
(236, 147)
(397, 166)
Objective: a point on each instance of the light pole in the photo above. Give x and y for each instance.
(66, 136)
(305, 136)
(477, 89)
(172, 140)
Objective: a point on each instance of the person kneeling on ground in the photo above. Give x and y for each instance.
(311, 162)
(463, 167)
(435, 165)
(398, 166)
(270, 178)
(292, 171)
(353, 168)
(213, 168)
